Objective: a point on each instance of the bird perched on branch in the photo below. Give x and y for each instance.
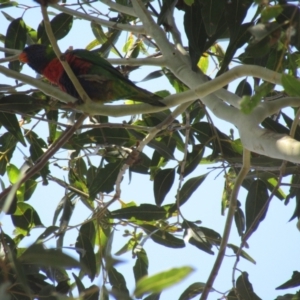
(101, 81)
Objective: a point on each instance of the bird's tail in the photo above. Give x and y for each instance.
(148, 97)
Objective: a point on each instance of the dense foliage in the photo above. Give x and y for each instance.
(263, 38)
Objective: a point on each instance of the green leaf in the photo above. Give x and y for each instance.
(61, 24)
(52, 117)
(36, 150)
(244, 88)
(244, 288)
(49, 231)
(256, 201)
(239, 219)
(195, 31)
(192, 291)
(13, 173)
(211, 14)
(7, 147)
(98, 32)
(115, 136)
(140, 268)
(162, 237)
(242, 253)
(293, 282)
(145, 212)
(118, 283)
(105, 179)
(21, 104)
(161, 281)
(189, 188)
(163, 182)
(193, 160)
(11, 124)
(16, 35)
(86, 254)
(291, 85)
(8, 4)
(38, 255)
(270, 12)
(79, 284)
(30, 186)
(25, 217)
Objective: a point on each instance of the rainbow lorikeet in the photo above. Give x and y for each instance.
(100, 80)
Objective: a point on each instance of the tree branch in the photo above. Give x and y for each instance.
(231, 210)
(148, 61)
(124, 27)
(41, 162)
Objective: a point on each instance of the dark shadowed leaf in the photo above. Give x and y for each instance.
(145, 212)
(49, 231)
(118, 283)
(91, 293)
(192, 160)
(15, 39)
(140, 269)
(256, 201)
(237, 40)
(61, 24)
(242, 254)
(293, 282)
(30, 186)
(100, 136)
(239, 219)
(212, 12)
(11, 124)
(37, 254)
(244, 288)
(37, 147)
(7, 147)
(192, 291)
(162, 237)
(244, 88)
(8, 4)
(163, 182)
(21, 104)
(79, 284)
(105, 179)
(158, 282)
(154, 296)
(85, 247)
(189, 188)
(195, 31)
(142, 165)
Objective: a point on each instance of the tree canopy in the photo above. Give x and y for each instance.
(83, 149)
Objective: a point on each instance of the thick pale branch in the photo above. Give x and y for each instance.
(271, 144)
(44, 87)
(121, 8)
(148, 61)
(274, 106)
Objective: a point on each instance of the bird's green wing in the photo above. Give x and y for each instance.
(101, 65)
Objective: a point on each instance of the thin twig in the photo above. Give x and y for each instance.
(43, 160)
(231, 210)
(114, 25)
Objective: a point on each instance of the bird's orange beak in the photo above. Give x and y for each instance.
(23, 57)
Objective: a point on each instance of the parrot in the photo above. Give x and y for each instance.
(101, 81)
